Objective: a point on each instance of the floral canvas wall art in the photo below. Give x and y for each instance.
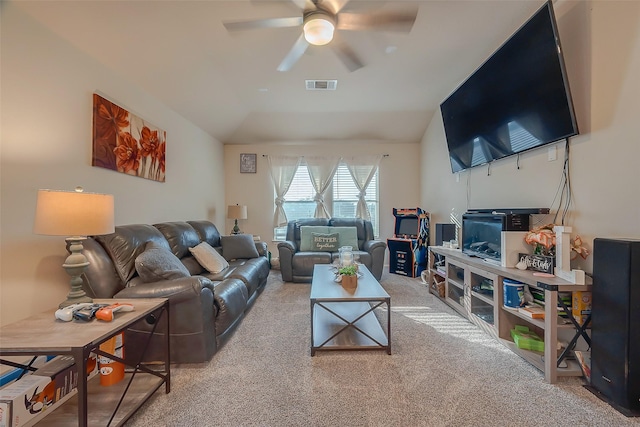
(126, 143)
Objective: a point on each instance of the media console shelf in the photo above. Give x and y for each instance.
(467, 282)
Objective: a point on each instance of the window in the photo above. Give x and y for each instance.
(299, 200)
(345, 196)
(341, 199)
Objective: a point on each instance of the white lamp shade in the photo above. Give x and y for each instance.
(237, 212)
(318, 30)
(73, 213)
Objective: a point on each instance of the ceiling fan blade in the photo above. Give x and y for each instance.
(377, 21)
(346, 55)
(304, 4)
(294, 54)
(263, 23)
(334, 6)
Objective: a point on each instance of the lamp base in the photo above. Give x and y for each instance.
(236, 229)
(74, 265)
(71, 300)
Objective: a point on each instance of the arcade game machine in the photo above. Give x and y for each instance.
(408, 247)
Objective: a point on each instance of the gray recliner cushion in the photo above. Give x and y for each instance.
(180, 235)
(207, 232)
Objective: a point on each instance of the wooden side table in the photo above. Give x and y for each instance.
(43, 334)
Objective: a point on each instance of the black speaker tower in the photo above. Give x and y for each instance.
(615, 325)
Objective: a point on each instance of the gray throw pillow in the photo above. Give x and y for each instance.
(158, 263)
(325, 242)
(238, 246)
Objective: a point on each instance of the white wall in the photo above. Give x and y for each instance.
(601, 43)
(398, 180)
(47, 88)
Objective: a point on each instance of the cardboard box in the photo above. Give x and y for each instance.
(580, 305)
(533, 312)
(24, 399)
(61, 370)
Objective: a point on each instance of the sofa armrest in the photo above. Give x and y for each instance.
(191, 319)
(372, 245)
(262, 248)
(177, 290)
(377, 249)
(286, 251)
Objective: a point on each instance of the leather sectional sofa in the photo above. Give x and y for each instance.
(156, 261)
(296, 265)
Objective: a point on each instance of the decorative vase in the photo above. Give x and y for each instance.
(349, 282)
(346, 255)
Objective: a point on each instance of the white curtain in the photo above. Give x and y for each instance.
(282, 169)
(321, 170)
(362, 170)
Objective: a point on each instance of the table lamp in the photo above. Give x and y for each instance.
(236, 212)
(75, 214)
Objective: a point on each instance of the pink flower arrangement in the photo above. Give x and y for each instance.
(544, 240)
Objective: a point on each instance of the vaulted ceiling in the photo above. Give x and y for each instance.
(227, 83)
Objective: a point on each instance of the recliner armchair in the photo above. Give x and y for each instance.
(297, 265)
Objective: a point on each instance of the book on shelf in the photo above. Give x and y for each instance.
(584, 358)
(533, 312)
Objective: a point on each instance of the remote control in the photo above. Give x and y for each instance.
(66, 313)
(87, 314)
(106, 313)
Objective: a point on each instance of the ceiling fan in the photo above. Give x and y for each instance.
(320, 19)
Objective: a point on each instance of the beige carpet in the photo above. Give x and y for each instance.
(443, 371)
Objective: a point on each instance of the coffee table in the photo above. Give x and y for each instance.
(344, 320)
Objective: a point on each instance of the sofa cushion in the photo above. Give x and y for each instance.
(364, 228)
(180, 235)
(209, 258)
(239, 246)
(348, 236)
(207, 232)
(192, 264)
(158, 263)
(325, 242)
(306, 235)
(126, 243)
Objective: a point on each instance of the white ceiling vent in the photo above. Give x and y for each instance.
(321, 84)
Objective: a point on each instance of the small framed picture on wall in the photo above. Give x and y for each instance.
(248, 163)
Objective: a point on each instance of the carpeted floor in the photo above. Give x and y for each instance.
(443, 371)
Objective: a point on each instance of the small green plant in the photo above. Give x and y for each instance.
(349, 270)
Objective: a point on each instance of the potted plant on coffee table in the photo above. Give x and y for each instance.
(349, 276)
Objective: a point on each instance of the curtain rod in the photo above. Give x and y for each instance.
(266, 155)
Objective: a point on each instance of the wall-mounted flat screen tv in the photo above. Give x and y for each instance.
(517, 100)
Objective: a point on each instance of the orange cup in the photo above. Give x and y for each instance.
(112, 372)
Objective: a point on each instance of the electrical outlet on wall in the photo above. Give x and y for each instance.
(552, 153)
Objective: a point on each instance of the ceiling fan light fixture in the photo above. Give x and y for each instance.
(318, 29)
